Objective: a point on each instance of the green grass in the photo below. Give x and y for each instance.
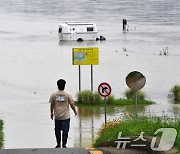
(129, 126)
(1, 134)
(122, 101)
(176, 93)
(130, 94)
(87, 97)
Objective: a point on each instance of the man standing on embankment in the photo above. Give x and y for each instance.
(59, 108)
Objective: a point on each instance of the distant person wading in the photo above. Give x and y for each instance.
(60, 101)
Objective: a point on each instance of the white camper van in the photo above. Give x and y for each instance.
(78, 31)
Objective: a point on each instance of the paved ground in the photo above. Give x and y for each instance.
(103, 150)
(45, 151)
(69, 151)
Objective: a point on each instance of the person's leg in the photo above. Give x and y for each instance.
(64, 138)
(65, 130)
(58, 133)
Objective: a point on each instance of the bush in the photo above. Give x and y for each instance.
(1, 134)
(110, 99)
(96, 98)
(176, 92)
(130, 94)
(88, 97)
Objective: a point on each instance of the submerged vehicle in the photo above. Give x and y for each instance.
(78, 31)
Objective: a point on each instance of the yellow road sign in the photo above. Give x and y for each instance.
(85, 56)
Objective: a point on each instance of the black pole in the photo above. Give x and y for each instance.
(92, 129)
(79, 78)
(92, 78)
(136, 95)
(124, 24)
(80, 131)
(105, 111)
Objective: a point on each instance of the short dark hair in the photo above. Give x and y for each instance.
(61, 84)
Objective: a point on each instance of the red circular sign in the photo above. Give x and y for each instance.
(104, 89)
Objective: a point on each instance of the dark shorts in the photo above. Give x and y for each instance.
(62, 125)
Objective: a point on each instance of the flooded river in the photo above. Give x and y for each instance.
(32, 60)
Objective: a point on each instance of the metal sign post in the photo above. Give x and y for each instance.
(105, 111)
(136, 94)
(92, 78)
(104, 89)
(135, 80)
(79, 78)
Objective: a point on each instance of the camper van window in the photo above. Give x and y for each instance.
(89, 29)
(60, 30)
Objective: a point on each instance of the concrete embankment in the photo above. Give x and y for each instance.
(46, 151)
(68, 151)
(103, 150)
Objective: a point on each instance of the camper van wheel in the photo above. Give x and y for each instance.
(102, 38)
(79, 39)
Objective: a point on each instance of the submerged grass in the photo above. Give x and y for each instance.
(129, 126)
(176, 93)
(1, 134)
(87, 97)
(130, 94)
